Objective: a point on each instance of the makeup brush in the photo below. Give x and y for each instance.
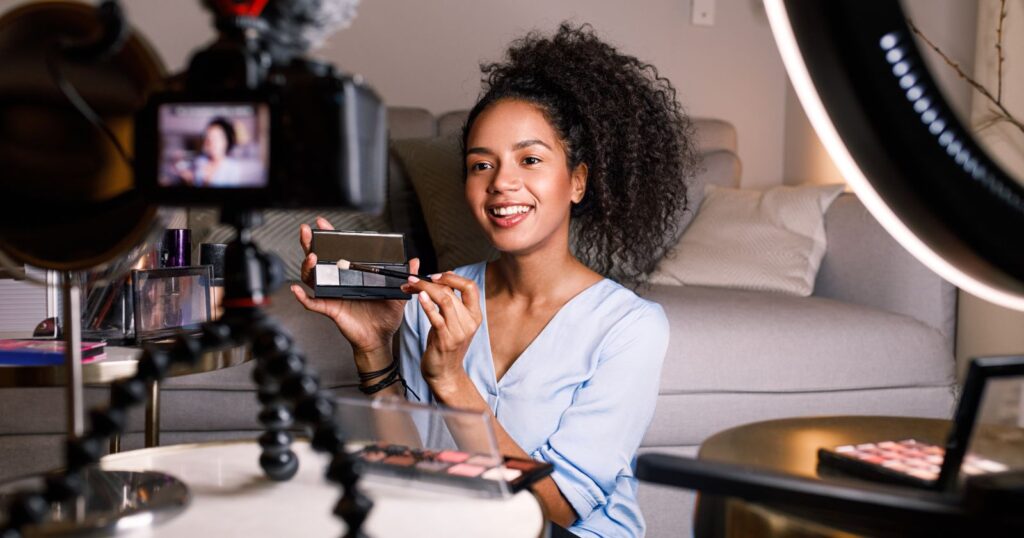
(346, 265)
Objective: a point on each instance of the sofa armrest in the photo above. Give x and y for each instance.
(865, 265)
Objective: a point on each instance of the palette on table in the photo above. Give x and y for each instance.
(908, 461)
(479, 474)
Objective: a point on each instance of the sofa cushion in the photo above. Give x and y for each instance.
(410, 122)
(767, 241)
(721, 168)
(434, 167)
(746, 341)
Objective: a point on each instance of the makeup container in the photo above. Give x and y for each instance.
(212, 254)
(436, 448)
(176, 248)
(170, 300)
(382, 250)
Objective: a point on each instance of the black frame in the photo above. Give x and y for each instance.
(978, 373)
(147, 152)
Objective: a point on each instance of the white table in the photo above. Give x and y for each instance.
(231, 497)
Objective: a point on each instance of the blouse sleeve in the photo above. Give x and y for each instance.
(600, 432)
(410, 350)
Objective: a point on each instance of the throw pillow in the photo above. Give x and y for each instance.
(767, 241)
(434, 167)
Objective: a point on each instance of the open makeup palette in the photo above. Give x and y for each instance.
(432, 448)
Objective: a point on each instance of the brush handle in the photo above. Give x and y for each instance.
(381, 271)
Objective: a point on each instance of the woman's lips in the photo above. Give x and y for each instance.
(508, 221)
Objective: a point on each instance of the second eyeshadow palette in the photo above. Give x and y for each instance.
(482, 474)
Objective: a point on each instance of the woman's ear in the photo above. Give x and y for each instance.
(579, 182)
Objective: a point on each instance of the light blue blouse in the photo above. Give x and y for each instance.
(580, 396)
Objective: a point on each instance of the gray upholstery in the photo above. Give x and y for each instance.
(875, 338)
(743, 341)
(865, 265)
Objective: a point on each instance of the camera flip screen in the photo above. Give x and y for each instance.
(214, 145)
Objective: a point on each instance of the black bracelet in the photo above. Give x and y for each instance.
(393, 377)
(366, 376)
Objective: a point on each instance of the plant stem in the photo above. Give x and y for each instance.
(956, 67)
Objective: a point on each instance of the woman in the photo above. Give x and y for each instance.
(565, 360)
(215, 167)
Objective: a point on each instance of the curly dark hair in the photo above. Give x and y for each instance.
(618, 116)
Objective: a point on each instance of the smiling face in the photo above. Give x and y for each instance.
(518, 183)
(215, 142)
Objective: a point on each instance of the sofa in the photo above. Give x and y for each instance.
(876, 337)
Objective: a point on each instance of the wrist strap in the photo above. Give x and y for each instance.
(366, 376)
(394, 375)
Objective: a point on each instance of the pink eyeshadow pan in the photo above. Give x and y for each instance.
(374, 456)
(464, 469)
(450, 456)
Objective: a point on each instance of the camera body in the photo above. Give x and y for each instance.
(248, 128)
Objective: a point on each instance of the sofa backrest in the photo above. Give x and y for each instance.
(865, 265)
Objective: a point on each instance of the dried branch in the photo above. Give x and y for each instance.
(970, 80)
(999, 49)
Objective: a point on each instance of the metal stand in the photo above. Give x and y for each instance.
(86, 499)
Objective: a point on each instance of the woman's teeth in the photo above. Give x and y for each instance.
(510, 210)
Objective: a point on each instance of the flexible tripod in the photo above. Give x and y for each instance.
(289, 390)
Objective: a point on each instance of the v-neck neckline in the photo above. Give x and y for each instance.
(526, 350)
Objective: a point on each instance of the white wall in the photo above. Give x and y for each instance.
(427, 53)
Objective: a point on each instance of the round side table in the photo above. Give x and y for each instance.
(121, 362)
(790, 446)
(231, 497)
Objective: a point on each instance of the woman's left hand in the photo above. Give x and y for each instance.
(453, 319)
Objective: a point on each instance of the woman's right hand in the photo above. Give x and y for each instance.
(367, 325)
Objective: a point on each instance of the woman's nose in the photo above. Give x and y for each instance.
(505, 180)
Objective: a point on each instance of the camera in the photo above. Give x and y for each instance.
(253, 123)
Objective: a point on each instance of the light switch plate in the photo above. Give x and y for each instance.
(703, 13)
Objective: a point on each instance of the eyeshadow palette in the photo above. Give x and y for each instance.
(479, 474)
(908, 462)
(386, 251)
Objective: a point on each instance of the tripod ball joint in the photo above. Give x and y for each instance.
(284, 365)
(353, 508)
(301, 386)
(154, 363)
(26, 508)
(185, 350)
(269, 340)
(215, 334)
(83, 452)
(317, 408)
(107, 421)
(275, 441)
(64, 486)
(279, 466)
(328, 438)
(127, 392)
(275, 417)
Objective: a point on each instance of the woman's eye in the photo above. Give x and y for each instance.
(531, 161)
(478, 166)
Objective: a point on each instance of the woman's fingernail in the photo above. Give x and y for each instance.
(435, 276)
(413, 279)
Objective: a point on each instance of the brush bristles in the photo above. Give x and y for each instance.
(344, 265)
